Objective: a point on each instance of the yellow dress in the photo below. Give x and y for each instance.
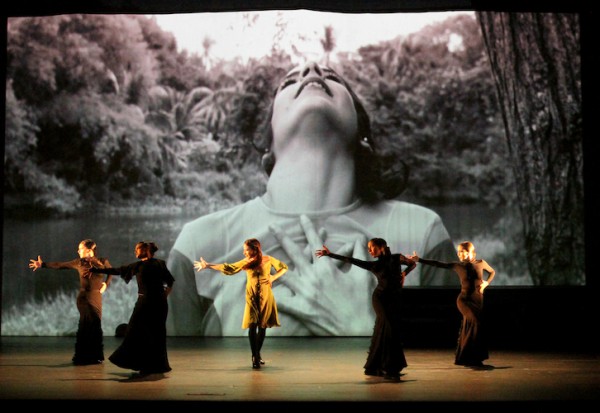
(261, 307)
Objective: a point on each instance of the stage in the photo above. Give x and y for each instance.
(312, 370)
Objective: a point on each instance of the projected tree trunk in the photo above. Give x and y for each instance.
(536, 63)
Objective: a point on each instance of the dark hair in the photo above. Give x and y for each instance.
(148, 249)
(254, 245)
(381, 243)
(89, 244)
(373, 183)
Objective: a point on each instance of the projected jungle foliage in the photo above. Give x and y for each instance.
(114, 134)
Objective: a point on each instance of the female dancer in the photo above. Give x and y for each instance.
(89, 347)
(471, 348)
(144, 346)
(260, 311)
(386, 355)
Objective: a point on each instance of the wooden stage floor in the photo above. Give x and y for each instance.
(215, 371)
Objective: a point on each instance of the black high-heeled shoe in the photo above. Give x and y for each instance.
(260, 359)
(255, 362)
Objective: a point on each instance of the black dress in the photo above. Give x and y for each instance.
(89, 347)
(144, 347)
(386, 353)
(471, 348)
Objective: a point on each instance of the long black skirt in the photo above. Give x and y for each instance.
(144, 347)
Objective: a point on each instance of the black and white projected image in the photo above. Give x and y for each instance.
(300, 129)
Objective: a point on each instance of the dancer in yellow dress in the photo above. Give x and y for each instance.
(260, 311)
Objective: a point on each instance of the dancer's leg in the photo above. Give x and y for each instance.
(252, 337)
(260, 339)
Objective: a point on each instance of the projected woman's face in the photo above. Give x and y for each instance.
(313, 98)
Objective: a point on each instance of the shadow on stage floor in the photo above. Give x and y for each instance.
(307, 370)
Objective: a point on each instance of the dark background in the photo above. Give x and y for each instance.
(529, 318)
